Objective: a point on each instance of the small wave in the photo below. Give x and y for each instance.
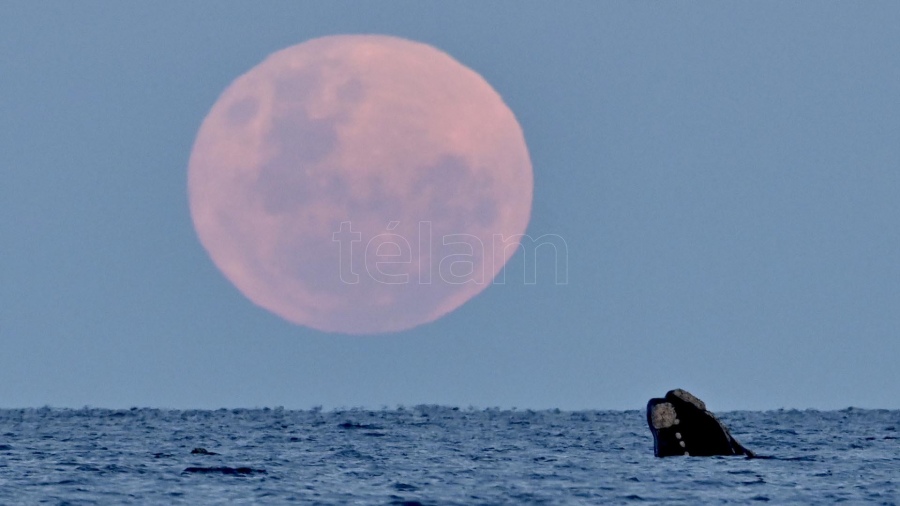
(224, 470)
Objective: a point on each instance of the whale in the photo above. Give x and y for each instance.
(681, 425)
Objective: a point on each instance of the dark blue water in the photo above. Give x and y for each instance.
(435, 455)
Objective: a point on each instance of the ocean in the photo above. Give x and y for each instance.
(435, 455)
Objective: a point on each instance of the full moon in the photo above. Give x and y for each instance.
(360, 184)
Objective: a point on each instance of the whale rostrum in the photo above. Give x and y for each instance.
(681, 425)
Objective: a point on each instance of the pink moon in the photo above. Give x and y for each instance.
(360, 184)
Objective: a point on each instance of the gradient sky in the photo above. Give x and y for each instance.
(725, 174)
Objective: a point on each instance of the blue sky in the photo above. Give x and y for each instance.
(725, 176)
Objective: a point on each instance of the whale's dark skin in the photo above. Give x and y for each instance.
(681, 425)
